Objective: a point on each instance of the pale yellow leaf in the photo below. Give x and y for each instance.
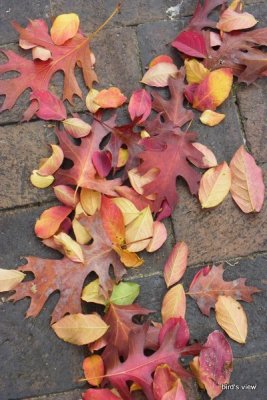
(195, 71)
(70, 248)
(91, 105)
(211, 118)
(91, 293)
(82, 235)
(128, 209)
(139, 232)
(9, 279)
(80, 329)
(231, 316)
(39, 181)
(139, 181)
(159, 74)
(41, 53)
(90, 200)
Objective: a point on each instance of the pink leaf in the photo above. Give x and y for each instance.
(176, 264)
(191, 43)
(140, 105)
(50, 106)
(102, 163)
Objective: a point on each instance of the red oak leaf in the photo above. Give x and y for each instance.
(138, 367)
(83, 172)
(67, 276)
(37, 74)
(208, 285)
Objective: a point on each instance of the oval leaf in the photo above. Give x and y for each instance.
(191, 43)
(110, 98)
(208, 161)
(174, 303)
(160, 235)
(231, 316)
(140, 105)
(124, 293)
(215, 185)
(80, 329)
(195, 71)
(9, 279)
(66, 195)
(91, 293)
(50, 106)
(90, 200)
(93, 369)
(76, 127)
(247, 186)
(211, 118)
(128, 209)
(64, 27)
(70, 248)
(176, 264)
(231, 20)
(139, 232)
(50, 221)
(159, 74)
(113, 222)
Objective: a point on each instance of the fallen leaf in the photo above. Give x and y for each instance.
(128, 209)
(138, 181)
(64, 27)
(39, 181)
(191, 43)
(41, 53)
(51, 164)
(140, 105)
(214, 185)
(91, 293)
(82, 236)
(208, 284)
(99, 394)
(124, 293)
(92, 106)
(94, 369)
(50, 220)
(213, 90)
(9, 279)
(159, 74)
(174, 303)
(247, 186)
(113, 222)
(123, 157)
(70, 248)
(76, 127)
(159, 236)
(231, 316)
(208, 161)
(211, 118)
(90, 200)
(66, 195)
(102, 163)
(50, 107)
(159, 59)
(80, 329)
(176, 264)
(139, 232)
(231, 20)
(176, 392)
(195, 71)
(110, 98)
(164, 380)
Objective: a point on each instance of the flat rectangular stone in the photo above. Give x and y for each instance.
(219, 233)
(22, 147)
(11, 10)
(93, 14)
(73, 395)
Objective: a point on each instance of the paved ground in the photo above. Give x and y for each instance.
(34, 363)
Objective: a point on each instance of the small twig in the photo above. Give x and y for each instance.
(116, 11)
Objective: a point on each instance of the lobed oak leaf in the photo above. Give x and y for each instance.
(83, 173)
(201, 18)
(214, 365)
(37, 74)
(67, 276)
(208, 284)
(138, 367)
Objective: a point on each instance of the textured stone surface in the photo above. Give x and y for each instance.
(73, 395)
(11, 10)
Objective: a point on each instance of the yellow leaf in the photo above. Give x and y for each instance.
(64, 28)
(71, 248)
(231, 316)
(90, 200)
(174, 303)
(9, 279)
(80, 329)
(79, 210)
(215, 185)
(128, 209)
(92, 106)
(139, 232)
(123, 157)
(76, 127)
(195, 368)
(82, 235)
(129, 259)
(144, 134)
(211, 118)
(195, 71)
(91, 293)
(39, 181)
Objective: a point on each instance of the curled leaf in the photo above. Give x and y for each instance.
(211, 118)
(50, 221)
(64, 27)
(159, 74)
(176, 264)
(51, 164)
(174, 303)
(40, 181)
(80, 329)
(214, 185)
(70, 248)
(76, 127)
(41, 53)
(9, 279)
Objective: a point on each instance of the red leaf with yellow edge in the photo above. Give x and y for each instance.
(247, 186)
(214, 365)
(213, 90)
(139, 367)
(113, 221)
(83, 173)
(93, 369)
(208, 284)
(50, 221)
(37, 74)
(67, 277)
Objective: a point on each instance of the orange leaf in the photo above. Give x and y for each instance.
(211, 118)
(176, 264)
(247, 187)
(160, 59)
(93, 368)
(51, 164)
(113, 221)
(195, 71)
(110, 98)
(174, 303)
(231, 20)
(215, 185)
(50, 220)
(213, 90)
(129, 259)
(64, 28)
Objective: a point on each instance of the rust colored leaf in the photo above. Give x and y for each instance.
(50, 221)
(99, 394)
(208, 284)
(176, 264)
(93, 369)
(113, 221)
(247, 186)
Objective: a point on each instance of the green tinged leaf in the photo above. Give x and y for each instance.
(124, 293)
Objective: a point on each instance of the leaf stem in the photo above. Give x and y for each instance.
(116, 11)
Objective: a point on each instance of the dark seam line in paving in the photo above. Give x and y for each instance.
(250, 357)
(30, 205)
(240, 119)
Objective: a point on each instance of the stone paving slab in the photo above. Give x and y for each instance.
(73, 395)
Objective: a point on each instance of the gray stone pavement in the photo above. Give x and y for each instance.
(35, 364)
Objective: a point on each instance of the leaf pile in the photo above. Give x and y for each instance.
(116, 183)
